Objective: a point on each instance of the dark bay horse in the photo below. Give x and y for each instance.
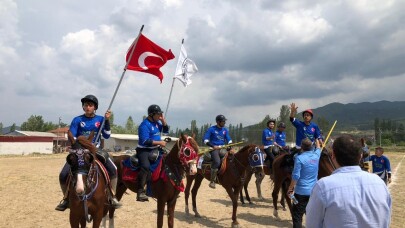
(231, 179)
(259, 178)
(282, 175)
(167, 188)
(87, 189)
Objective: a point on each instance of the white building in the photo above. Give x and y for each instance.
(26, 142)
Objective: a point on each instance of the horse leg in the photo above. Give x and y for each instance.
(160, 212)
(285, 193)
(187, 191)
(274, 194)
(259, 179)
(74, 221)
(246, 184)
(194, 191)
(284, 188)
(170, 212)
(233, 194)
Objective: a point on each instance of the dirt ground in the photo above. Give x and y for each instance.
(29, 192)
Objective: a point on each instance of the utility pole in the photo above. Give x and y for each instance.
(57, 136)
(380, 135)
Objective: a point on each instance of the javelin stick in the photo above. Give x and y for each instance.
(133, 45)
(327, 137)
(174, 78)
(212, 149)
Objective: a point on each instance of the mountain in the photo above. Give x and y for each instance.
(361, 116)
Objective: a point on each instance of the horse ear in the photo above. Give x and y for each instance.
(71, 138)
(91, 136)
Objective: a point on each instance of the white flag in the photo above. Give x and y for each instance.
(185, 68)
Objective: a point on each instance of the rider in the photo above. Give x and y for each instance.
(268, 141)
(304, 129)
(280, 137)
(84, 125)
(216, 137)
(149, 139)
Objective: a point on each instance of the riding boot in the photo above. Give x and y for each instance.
(142, 176)
(214, 173)
(64, 204)
(114, 201)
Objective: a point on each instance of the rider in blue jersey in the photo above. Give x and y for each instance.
(216, 137)
(381, 165)
(268, 137)
(149, 140)
(280, 136)
(304, 129)
(84, 125)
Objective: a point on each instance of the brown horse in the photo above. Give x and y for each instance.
(231, 179)
(87, 186)
(167, 188)
(282, 175)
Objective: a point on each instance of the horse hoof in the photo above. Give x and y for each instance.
(197, 215)
(235, 225)
(275, 213)
(261, 198)
(187, 211)
(284, 209)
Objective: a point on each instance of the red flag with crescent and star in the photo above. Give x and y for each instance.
(148, 57)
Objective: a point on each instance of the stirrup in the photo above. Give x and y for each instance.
(142, 197)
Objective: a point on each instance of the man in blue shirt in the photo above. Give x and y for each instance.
(84, 125)
(349, 197)
(381, 165)
(149, 139)
(280, 136)
(304, 177)
(304, 129)
(216, 137)
(268, 141)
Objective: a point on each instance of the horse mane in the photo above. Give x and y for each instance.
(86, 142)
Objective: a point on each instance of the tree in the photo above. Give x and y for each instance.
(1, 128)
(34, 123)
(12, 128)
(130, 124)
(112, 119)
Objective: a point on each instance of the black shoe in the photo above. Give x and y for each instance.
(115, 203)
(63, 205)
(212, 185)
(142, 197)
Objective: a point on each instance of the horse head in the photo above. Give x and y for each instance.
(188, 152)
(81, 158)
(326, 165)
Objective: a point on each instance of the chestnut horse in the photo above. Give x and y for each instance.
(87, 186)
(231, 179)
(167, 188)
(282, 168)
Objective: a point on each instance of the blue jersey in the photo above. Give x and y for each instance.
(83, 125)
(267, 133)
(303, 131)
(149, 131)
(280, 138)
(381, 166)
(217, 136)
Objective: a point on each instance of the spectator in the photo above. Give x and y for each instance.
(349, 197)
(381, 165)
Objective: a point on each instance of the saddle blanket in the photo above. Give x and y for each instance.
(130, 173)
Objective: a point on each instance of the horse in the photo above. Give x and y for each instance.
(87, 186)
(167, 187)
(231, 177)
(282, 175)
(259, 178)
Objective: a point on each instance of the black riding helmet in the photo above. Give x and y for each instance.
(220, 118)
(153, 109)
(281, 124)
(90, 98)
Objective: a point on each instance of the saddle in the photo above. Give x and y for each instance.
(130, 172)
(204, 162)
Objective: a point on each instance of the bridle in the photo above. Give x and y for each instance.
(187, 154)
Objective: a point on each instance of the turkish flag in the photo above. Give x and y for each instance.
(148, 57)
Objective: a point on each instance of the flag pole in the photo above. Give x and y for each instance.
(171, 90)
(119, 83)
(327, 137)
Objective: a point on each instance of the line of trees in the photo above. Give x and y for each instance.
(389, 132)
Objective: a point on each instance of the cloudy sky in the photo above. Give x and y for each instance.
(253, 56)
